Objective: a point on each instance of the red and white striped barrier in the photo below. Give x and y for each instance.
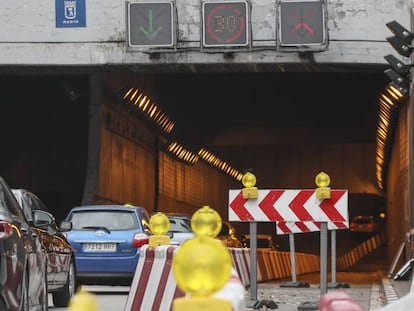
(271, 265)
(233, 291)
(154, 287)
(241, 262)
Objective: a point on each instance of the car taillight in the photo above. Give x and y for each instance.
(139, 239)
(370, 226)
(6, 229)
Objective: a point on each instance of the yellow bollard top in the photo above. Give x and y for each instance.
(83, 301)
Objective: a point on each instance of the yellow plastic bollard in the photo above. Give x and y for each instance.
(83, 301)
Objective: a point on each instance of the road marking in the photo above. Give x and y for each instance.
(389, 290)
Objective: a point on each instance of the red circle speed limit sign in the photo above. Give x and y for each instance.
(225, 23)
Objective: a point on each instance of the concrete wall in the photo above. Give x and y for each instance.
(356, 32)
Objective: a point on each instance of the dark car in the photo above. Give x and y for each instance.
(23, 279)
(107, 241)
(227, 235)
(263, 241)
(362, 226)
(364, 223)
(60, 255)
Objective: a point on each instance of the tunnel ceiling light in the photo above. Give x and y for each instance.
(403, 90)
(182, 153)
(396, 91)
(135, 98)
(389, 103)
(220, 164)
(143, 103)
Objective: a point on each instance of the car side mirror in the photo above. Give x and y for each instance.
(42, 218)
(65, 226)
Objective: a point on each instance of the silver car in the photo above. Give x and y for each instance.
(180, 228)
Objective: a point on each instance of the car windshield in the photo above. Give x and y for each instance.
(111, 220)
(180, 225)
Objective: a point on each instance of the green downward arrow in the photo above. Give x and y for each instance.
(150, 32)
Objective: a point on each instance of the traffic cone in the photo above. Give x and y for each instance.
(83, 301)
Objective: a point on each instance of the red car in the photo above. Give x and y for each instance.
(23, 283)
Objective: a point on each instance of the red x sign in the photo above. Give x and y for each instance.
(302, 23)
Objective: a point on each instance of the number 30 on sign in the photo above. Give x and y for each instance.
(225, 23)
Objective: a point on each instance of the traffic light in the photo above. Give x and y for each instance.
(397, 65)
(396, 78)
(402, 39)
(404, 34)
(399, 73)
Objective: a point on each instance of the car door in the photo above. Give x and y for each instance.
(29, 203)
(59, 250)
(33, 269)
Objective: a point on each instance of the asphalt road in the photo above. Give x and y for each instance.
(363, 279)
(108, 298)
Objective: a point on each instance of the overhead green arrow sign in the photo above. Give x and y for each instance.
(150, 32)
(151, 24)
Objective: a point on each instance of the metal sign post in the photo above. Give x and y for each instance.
(292, 256)
(294, 282)
(333, 283)
(253, 260)
(324, 257)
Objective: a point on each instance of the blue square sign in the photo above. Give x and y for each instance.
(70, 13)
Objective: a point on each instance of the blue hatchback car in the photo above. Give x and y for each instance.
(106, 240)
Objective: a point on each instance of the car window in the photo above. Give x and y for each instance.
(180, 225)
(145, 218)
(111, 220)
(8, 202)
(27, 205)
(38, 204)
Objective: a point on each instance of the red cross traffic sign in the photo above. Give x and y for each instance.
(280, 205)
(302, 23)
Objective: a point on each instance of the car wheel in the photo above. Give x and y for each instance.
(62, 297)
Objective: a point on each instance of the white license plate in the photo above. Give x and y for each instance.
(99, 247)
